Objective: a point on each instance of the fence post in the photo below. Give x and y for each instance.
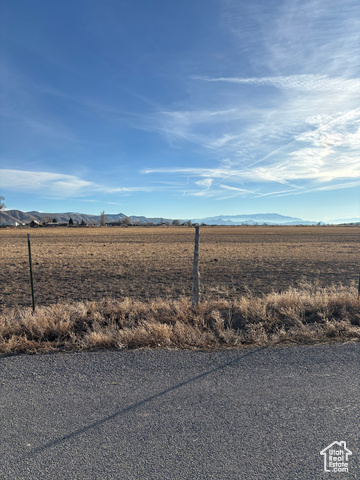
(195, 293)
(359, 288)
(31, 275)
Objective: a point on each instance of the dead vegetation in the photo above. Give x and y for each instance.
(308, 314)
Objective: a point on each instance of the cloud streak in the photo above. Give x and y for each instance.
(306, 83)
(56, 184)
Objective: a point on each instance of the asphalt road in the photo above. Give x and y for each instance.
(246, 414)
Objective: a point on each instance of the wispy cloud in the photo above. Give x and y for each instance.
(325, 148)
(56, 184)
(205, 183)
(310, 169)
(306, 134)
(306, 83)
(236, 189)
(308, 35)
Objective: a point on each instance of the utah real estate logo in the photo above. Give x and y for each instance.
(336, 457)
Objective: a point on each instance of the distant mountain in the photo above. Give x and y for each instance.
(253, 219)
(65, 217)
(345, 220)
(13, 217)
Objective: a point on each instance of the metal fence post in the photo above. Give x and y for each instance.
(195, 293)
(31, 274)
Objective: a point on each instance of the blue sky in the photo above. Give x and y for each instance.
(181, 109)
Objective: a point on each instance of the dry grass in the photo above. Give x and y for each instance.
(305, 315)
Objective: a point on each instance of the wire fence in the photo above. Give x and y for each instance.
(171, 266)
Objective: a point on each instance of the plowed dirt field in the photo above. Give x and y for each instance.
(72, 264)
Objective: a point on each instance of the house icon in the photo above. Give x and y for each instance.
(336, 456)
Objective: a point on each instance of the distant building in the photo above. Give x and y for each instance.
(10, 224)
(55, 225)
(34, 224)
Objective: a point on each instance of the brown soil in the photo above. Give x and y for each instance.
(72, 264)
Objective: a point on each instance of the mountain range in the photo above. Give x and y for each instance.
(12, 217)
(254, 219)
